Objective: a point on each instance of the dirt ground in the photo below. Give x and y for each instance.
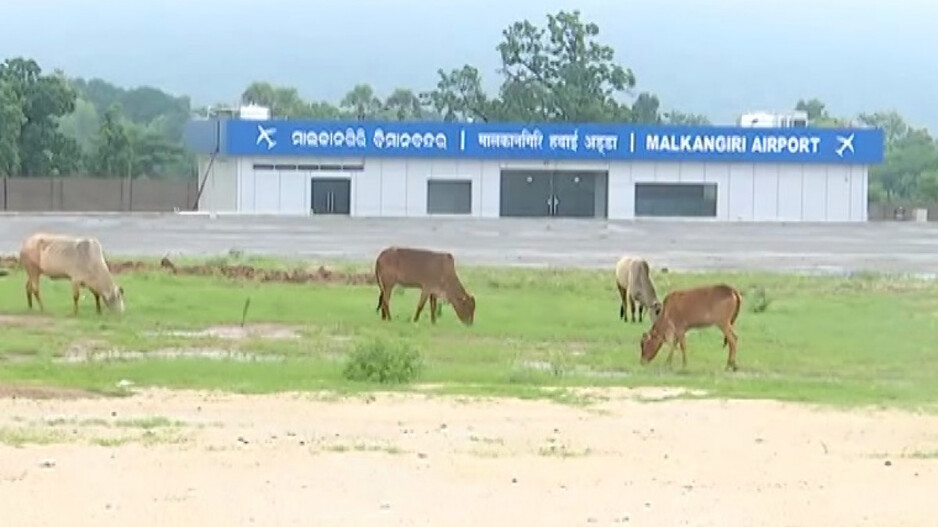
(296, 275)
(192, 459)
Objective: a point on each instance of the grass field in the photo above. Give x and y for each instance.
(864, 340)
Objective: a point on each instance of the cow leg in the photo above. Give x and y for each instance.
(381, 307)
(29, 294)
(97, 302)
(623, 302)
(670, 354)
(433, 306)
(35, 286)
(729, 337)
(423, 300)
(384, 301)
(76, 287)
(632, 307)
(683, 344)
(641, 311)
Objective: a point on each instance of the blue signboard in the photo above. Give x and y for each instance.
(560, 141)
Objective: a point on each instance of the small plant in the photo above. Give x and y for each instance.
(377, 361)
(559, 363)
(757, 300)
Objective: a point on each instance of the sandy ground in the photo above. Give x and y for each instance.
(185, 458)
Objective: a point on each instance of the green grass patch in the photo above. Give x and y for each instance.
(862, 340)
(18, 436)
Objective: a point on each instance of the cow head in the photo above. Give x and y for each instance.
(651, 343)
(115, 299)
(465, 306)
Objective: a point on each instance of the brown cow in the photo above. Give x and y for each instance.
(634, 283)
(433, 272)
(79, 259)
(699, 307)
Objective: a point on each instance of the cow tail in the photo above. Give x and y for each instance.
(739, 303)
(380, 288)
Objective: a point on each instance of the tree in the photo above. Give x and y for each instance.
(645, 109)
(362, 103)
(152, 119)
(817, 114)
(894, 127)
(156, 156)
(114, 155)
(12, 120)
(676, 117)
(556, 73)
(928, 185)
(283, 102)
(262, 94)
(82, 124)
(459, 96)
(286, 102)
(907, 159)
(813, 107)
(67, 156)
(403, 104)
(561, 72)
(323, 110)
(146, 104)
(42, 100)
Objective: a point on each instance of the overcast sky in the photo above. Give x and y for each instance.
(717, 57)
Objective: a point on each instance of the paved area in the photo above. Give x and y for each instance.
(889, 247)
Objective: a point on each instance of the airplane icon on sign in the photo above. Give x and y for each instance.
(846, 143)
(266, 134)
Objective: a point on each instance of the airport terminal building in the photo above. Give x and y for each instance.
(490, 170)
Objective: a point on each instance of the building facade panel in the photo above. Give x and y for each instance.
(719, 173)
(554, 170)
(790, 182)
(740, 191)
(838, 194)
(399, 188)
(814, 193)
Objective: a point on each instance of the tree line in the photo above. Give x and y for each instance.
(54, 125)
(51, 124)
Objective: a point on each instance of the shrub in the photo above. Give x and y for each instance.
(757, 300)
(377, 361)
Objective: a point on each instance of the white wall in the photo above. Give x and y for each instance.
(398, 187)
(274, 192)
(754, 192)
(220, 193)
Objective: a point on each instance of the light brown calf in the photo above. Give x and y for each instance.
(433, 272)
(81, 260)
(634, 283)
(699, 307)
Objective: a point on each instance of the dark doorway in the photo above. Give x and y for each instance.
(449, 197)
(676, 199)
(526, 193)
(570, 194)
(331, 196)
(575, 194)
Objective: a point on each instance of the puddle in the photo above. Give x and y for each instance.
(24, 320)
(576, 370)
(262, 331)
(79, 356)
(17, 357)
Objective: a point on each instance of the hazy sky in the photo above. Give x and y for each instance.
(717, 57)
